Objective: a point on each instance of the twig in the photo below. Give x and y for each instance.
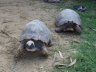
(60, 65)
(7, 21)
(5, 33)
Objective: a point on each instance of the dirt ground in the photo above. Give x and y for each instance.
(14, 14)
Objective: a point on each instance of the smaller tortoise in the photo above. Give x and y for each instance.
(35, 36)
(68, 20)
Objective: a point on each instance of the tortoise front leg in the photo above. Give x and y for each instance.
(78, 29)
(19, 51)
(44, 51)
(60, 28)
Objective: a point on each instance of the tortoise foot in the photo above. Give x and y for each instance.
(78, 30)
(44, 52)
(58, 30)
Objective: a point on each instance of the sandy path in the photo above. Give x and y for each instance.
(14, 14)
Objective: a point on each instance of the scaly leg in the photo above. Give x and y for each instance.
(44, 51)
(60, 29)
(78, 29)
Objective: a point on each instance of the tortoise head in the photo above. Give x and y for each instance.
(70, 24)
(30, 44)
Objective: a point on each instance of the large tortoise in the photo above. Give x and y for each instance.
(35, 36)
(68, 20)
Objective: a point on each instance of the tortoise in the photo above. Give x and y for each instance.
(35, 36)
(52, 1)
(68, 20)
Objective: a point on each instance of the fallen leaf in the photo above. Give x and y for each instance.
(94, 29)
(41, 67)
(61, 54)
(72, 63)
(70, 59)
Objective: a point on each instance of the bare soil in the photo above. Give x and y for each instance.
(14, 15)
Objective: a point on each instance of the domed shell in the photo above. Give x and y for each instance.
(67, 15)
(36, 30)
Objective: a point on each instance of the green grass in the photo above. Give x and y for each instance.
(86, 56)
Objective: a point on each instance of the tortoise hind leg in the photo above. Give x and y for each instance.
(44, 51)
(60, 29)
(19, 51)
(78, 29)
(50, 43)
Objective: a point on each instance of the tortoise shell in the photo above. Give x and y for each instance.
(36, 30)
(67, 15)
